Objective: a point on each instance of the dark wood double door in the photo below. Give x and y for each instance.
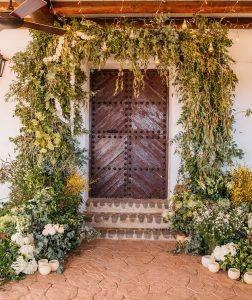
(129, 137)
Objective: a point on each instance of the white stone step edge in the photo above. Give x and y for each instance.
(128, 223)
(120, 236)
(125, 208)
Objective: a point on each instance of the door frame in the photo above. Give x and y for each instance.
(113, 64)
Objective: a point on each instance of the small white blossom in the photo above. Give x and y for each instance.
(85, 36)
(28, 240)
(220, 252)
(19, 265)
(45, 232)
(27, 251)
(51, 231)
(61, 229)
(31, 267)
(18, 239)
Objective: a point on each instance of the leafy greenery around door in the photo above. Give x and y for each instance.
(50, 96)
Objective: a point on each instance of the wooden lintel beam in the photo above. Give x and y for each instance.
(70, 8)
(232, 23)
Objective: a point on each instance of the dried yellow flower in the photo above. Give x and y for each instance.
(76, 184)
(241, 190)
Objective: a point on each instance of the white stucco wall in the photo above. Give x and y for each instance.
(241, 51)
(10, 43)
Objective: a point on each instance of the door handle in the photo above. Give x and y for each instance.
(112, 131)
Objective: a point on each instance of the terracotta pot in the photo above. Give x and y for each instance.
(54, 264)
(181, 238)
(213, 267)
(44, 269)
(206, 260)
(248, 277)
(234, 273)
(2, 236)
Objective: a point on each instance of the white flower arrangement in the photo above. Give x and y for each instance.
(52, 229)
(27, 251)
(21, 265)
(21, 240)
(219, 221)
(220, 252)
(31, 267)
(57, 54)
(84, 36)
(18, 239)
(25, 262)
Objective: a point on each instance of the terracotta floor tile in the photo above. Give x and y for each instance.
(61, 292)
(128, 270)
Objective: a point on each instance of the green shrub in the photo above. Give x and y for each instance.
(8, 254)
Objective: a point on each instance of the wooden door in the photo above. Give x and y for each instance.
(129, 137)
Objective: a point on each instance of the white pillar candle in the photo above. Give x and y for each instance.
(205, 260)
(54, 264)
(44, 269)
(42, 262)
(248, 277)
(234, 273)
(213, 267)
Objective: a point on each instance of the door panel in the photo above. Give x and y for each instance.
(129, 140)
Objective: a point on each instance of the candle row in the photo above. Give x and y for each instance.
(209, 262)
(46, 267)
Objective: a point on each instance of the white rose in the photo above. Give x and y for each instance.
(231, 249)
(250, 223)
(61, 229)
(28, 239)
(223, 253)
(27, 251)
(19, 265)
(31, 238)
(45, 232)
(47, 226)
(30, 267)
(18, 239)
(51, 231)
(56, 227)
(217, 253)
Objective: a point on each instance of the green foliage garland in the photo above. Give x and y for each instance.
(206, 83)
(50, 71)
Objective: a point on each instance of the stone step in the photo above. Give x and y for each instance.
(135, 234)
(127, 220)
(126, 205)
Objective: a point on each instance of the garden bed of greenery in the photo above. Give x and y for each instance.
(219, 227)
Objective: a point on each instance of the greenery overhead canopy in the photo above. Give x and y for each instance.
(49, 90)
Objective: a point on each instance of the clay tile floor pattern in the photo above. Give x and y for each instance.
(115, 270)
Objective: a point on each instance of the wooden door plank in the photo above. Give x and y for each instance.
(148, 140)
(107, 137)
